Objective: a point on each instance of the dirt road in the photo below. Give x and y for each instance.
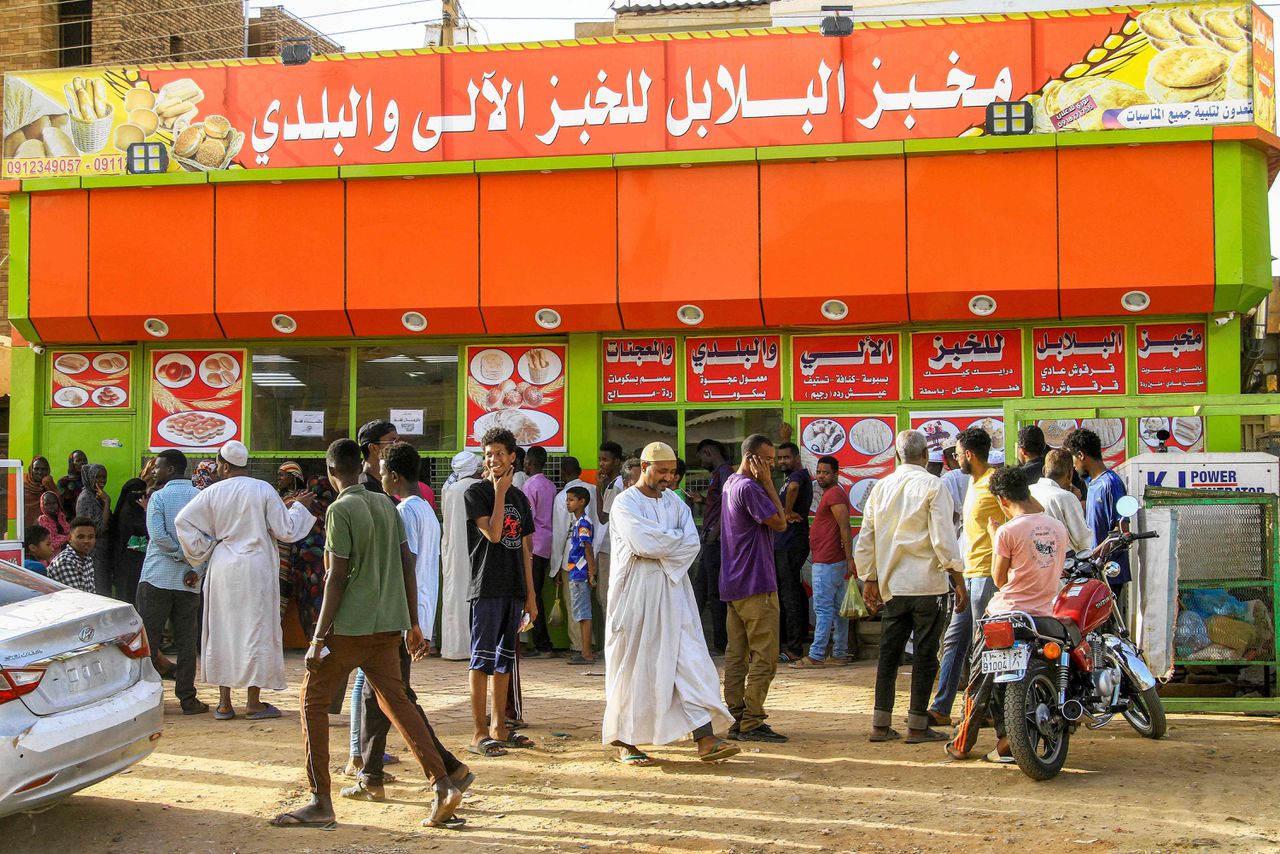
(210, 786)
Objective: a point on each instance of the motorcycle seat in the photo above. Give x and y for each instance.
(1059, 628)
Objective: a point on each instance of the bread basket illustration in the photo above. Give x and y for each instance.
(92, 136)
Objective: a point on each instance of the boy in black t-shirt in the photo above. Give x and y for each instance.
(501, 588)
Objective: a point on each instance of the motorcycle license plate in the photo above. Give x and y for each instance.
(1011, 660)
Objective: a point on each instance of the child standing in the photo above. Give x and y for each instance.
(74, 565)
(53, 520)
(580, 562)
(37, 550)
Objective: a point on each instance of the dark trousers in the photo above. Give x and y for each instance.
(920, 620)
(706, 592)
(793, 624)
(158, 605)
(378, 656)
(374, 725)
(538, 634)
(128, 573)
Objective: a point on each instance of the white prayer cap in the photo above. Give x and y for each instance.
(658, 452)
(996, 457)
(465, 464)
(235, 453)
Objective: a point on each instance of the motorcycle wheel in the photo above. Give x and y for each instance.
(1040, 755)
(1145, 713)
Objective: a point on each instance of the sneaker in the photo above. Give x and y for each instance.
(194, 707)
(762, 733)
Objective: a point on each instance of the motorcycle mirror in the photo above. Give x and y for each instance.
(1128, 506)
(1111, 570)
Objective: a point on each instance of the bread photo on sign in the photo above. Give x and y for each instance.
(207, 145)
(34, 124)
(1181, 75)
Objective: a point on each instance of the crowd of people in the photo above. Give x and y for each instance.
(361, 550)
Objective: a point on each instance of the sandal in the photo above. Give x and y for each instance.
(998, 758)
(230, 714)
(722, 750)
(288, 819)
(579, 660)
(927, 736)
(442, 815)
(807, 663)
(518, 741)
(890, 734)
(363, 791)
(488, 747)
(266, 713)
(637, 759)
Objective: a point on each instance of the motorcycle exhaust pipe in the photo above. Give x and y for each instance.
(1073, 710)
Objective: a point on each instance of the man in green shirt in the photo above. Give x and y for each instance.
(370, 598)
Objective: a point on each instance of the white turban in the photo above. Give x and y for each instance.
(466, 464)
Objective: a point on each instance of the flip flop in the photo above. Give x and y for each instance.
(449, 822)
(890, 735)
(807, 663)
(454, 823)
(723, 750)
(464, 782)
(998, 758)
(295, 821)
(220, 715)
(635, 760)
(361, 792)
(929, 735)
(518, 741)
(268, 712)
(488, 747)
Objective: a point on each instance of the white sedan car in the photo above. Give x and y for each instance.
(79, 699)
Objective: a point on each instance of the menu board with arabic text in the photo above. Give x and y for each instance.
(639, 370)
(90, 380)
(197, 399)
(941, 427)
(520, 388)
(862, 444)
(733, 370)
(1078, 360)
(845, 367)
(967, 365)
(1171, 358)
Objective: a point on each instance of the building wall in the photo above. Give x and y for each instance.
(274, 24)
(141, 30)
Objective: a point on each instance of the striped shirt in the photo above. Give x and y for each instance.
(165, 565)
(73, 569)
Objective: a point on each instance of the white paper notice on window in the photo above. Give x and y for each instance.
(307, 422)
(408, 422)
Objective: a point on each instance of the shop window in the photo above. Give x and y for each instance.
(420, 382)
(300, 398)
(634, 428)
(728, 426)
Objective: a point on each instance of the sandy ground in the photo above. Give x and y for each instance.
(210, 786)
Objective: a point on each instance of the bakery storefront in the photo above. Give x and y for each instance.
(667, 237)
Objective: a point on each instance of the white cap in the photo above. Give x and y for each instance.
(658, 452)
(465, 463)
(235, 453)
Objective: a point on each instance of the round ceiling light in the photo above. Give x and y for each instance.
(414, 321)
(547, 318)
(690, 315)
(284, 323)
(982, 305)
(1135, 301)
(835, 309)
(156, 327)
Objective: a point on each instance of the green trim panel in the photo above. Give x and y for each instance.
(979, 143)
(1135, 137)
(840, 151)
(36, 185)
(168, 179)
(545, 164)
(403, 170)
(680, 158)
(20, 267)
(244, 176)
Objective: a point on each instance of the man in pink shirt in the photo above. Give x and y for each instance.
(1029, 552)
(541, 493)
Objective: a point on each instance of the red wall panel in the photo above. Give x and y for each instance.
(59, 274)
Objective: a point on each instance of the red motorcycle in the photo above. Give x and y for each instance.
(1078, 666)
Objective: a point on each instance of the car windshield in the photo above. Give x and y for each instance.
(18, 585)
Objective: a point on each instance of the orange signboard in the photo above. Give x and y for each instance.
(1124, 67)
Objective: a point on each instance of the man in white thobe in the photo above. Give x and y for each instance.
(455, 611)
(233, 526)
(571, 469)
(660, 683)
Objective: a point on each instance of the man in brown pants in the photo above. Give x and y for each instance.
(361, 619)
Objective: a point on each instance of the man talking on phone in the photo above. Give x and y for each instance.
(751, 513)
(500, 537)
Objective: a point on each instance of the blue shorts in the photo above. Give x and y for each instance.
(495, 633)
(580, 600)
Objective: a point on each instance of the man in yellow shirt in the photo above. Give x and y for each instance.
(973, 448)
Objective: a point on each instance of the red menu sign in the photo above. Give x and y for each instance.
(845, 367)
(719, 370)
(1071, 360)
(639, 370)
(1185, 433)
(520, 388)
(863, 445)
(942, 426)
(93, 380)
(1171, 358)
(197, 398)
(961, 365)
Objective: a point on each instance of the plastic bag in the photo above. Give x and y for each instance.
(556, 617)
(1211, 603)
(1191, 634)
(853, 607)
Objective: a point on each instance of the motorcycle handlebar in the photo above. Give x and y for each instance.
(1145, 535)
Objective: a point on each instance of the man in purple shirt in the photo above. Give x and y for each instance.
(749, 516)
(541, 493)
(706, 587)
